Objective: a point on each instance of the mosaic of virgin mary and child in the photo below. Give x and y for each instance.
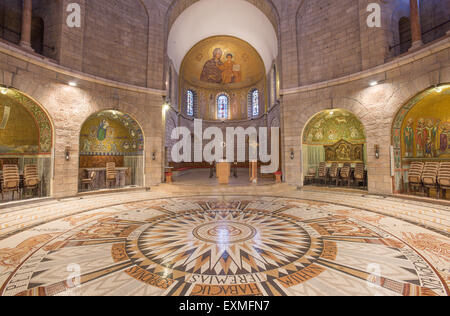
(216, 71)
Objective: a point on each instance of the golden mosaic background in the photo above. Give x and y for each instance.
(19, 133)
(428, 123)
(251, 65)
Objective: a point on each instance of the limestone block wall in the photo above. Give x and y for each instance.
(68, 107)
(376, 106)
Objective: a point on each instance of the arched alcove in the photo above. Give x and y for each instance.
(333, 137)
(26, 140)
(421, 133)
(111, 136)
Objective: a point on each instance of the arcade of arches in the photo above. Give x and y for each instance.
(88, 173)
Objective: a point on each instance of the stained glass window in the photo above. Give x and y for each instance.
(190, 103)
(255, 102)
(222, 107)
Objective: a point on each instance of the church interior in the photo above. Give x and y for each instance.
(224, 148)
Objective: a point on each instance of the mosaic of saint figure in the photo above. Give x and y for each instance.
(408, 135)
(445, 132)
(420, 138)
(211, 71)
(430, 139)
(102, 129)
(216, 71)
(231, 72)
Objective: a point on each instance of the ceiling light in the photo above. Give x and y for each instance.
(72, 84)
(373, 83)
(4, 90)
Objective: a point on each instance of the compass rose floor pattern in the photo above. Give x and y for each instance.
(226, 246)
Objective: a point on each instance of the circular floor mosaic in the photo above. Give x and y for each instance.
(230, 246)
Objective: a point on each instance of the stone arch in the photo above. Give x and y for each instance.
(347, 128)
(112, 136)
(405, 151)
(177, 7)
(27, 135)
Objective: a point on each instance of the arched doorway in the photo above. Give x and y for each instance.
(26, 142)
(334, 140)
(111, 139)
(421, 136)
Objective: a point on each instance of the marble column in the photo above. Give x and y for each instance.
(416, 30)
(27, 14)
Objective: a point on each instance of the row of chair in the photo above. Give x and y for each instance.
(11, 179)
(337, 175)
(429, 175)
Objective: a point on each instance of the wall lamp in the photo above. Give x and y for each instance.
(292, 154)
(377, 151)
(67, 153)
(154, 155)
(4, 89)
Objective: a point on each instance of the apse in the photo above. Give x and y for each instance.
(208, 18)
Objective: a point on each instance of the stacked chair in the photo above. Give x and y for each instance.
(311, 176)
(346, 173)
(444, 179)
(359, 174)
(11, 180)
(111, 175)
(31, 179)
(429, 176)
(415, 176)
(323, 172)
(334, 173)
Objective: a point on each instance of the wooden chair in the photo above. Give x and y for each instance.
(111, 174)
(334, 173)
(323, 172)
(444, 179)
(311, 176)
(346, 173)
(89, 182)
(415, 176)
(31, 179)
(359, 174)
(429, 176)
(11, 180)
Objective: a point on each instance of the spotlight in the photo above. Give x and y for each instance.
(373, 83)
(166, 107)
(4, 90)
(72, 84)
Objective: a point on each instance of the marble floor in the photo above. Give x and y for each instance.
(269, 240)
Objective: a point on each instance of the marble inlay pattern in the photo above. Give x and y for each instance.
(233, 245)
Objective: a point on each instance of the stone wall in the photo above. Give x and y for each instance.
(69, 107)
(376, 106)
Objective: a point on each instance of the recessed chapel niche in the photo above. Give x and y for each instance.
(112, 137)
(421, 132)
(334, 136)
(222, 71)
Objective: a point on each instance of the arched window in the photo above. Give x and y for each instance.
(190, 103)
(222, 106)
(253, 103)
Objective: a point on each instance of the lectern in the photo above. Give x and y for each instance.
(223, 172)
